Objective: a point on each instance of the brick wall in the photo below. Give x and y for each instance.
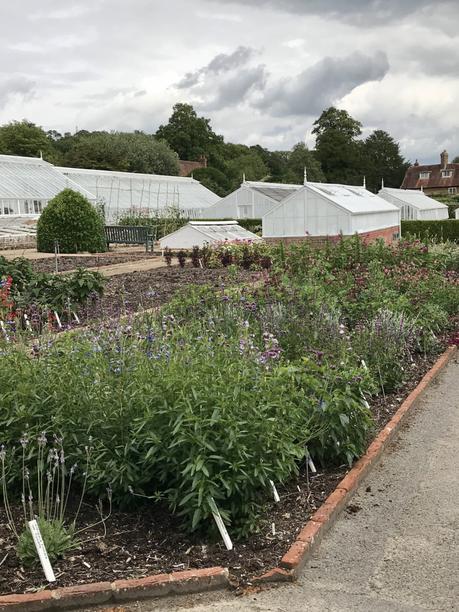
(187, 167)
(387, 234)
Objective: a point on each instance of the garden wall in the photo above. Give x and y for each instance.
(387, 234)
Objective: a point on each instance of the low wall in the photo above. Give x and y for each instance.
(387, 234)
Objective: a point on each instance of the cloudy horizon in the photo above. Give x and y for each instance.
(261, 70)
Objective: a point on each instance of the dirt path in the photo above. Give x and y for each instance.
(398, 550)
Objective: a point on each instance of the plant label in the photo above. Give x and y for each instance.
(41, 550)
(27, 322)
(311, 465)
(275, 493)
(364, 365)
(221, 528)
(76, 317)
(59, 324)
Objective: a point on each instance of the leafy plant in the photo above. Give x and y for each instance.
(72, 221)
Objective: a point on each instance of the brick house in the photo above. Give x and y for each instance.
(442, 178)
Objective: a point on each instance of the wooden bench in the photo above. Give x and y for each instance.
(129, 234)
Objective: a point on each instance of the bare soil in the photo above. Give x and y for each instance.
(150, 540)
(65, 264)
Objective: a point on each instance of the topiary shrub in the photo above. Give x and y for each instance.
(70, 219)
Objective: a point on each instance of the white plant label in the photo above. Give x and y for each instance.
(222, 529)
(76, 317)
(41, 550)
(27, 322)
(364, 365)
(311, 465)
(58, 320)
(275, 493)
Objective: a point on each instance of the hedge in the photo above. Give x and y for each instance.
(439, 231)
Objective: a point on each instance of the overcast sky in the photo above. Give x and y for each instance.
(261, 70)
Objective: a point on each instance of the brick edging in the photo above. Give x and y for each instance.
(310, 536)
(190, 581)
(214, 578)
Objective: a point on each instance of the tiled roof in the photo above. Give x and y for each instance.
(412, 178)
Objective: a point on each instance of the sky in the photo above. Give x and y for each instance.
(261, 70)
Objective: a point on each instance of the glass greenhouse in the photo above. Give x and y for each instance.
(199, 233)
(327, 210)
(27, 184)
(414, 204)
(251, 201)
(122, 192)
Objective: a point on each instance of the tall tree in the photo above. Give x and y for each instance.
(337, 147)
(26, 139)
(187, 134)
(298, 159)
(382, 160)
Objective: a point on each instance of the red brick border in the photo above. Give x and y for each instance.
(309, 537)
(214, 578)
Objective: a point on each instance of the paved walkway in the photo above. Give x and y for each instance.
(400, 551)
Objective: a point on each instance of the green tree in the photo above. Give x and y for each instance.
(298, 159)
(121, 151)
(456, 160)
(382, 160)
(70, 219)
(249, 164)
(214, 179)
(187, 134)
(337, 148)
(26, 139)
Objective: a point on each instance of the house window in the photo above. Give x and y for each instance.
(452, 190)
(446, 173)
(424, 175)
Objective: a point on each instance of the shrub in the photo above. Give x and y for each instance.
(72, 221)
(436, 231)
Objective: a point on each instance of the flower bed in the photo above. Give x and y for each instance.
(227, 389)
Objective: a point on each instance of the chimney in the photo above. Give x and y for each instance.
(444, 159)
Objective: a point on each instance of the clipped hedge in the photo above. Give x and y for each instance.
(438, 231)
(70, 219)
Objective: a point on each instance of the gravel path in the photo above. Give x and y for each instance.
(398, 550)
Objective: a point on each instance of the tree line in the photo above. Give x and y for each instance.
(341, 155)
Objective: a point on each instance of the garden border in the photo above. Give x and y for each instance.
(214, 578)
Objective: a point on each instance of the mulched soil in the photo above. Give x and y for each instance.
(136, 291)
(48, 264)
(149, 541)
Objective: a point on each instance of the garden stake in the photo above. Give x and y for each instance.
(41, 550)
(76, 317)
(221, 526)
(275, 493)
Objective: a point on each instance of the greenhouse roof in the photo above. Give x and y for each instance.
(219, 231)
(23, 178)
(355, 199)
(276, 191)
(413, 197)
(149, 192)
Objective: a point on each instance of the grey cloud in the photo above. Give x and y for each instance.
(357, 11)
(13, 86)
(436, 60)
(221, 63)
(234, 90)
(323, 84)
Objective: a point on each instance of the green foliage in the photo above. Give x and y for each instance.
(26, 139)
(299, 159)
(164, 222)
(337, 147)
(432, 231)
(121, 151)
(57, 538)
(187, 134)
(70, 219)
(213, 179)
(382, 160)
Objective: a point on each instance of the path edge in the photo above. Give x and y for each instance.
(217, 578)
(319, 523)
